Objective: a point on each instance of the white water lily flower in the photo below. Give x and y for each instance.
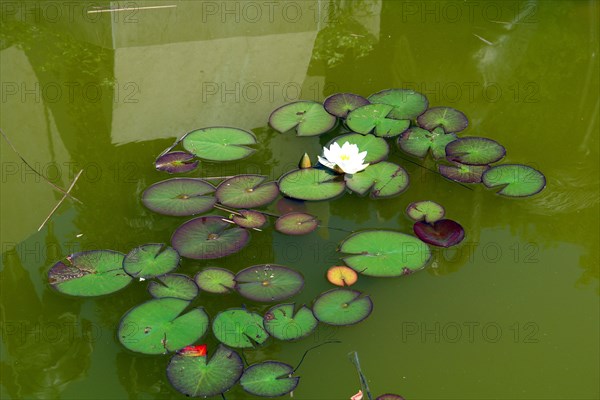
(345, 159)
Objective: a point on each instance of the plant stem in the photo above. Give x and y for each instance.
(61, 200)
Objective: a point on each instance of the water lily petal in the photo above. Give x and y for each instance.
(326, 162)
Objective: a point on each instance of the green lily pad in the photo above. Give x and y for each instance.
(282, 323)
(308, 117)
(342, 307)
(215, 280)
(407, 104)
(89, 273)
(179, 196)
(340, 104)
(462, 172)
(427, 210)
(198, 377)
(311, 184)
(475, 151)
(449, 119)
(516, 180)
(159, 326)
(250, 219)
(374, 117)
(268, 282)
(209, 237)
(238, 327)
(176, 286)
(384, 179)
(244, 191)
(377, 148)
(150, 260)
(269, 379)
(418, 142)
(296, 223)
(176, 162)
(384, 253)
(219, 143)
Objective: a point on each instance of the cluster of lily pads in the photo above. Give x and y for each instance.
(354, 162)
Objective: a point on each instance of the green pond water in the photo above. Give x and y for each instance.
(510, 313)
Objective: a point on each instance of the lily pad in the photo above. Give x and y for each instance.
(377, 148)
(244, 191)
(220, 143)
(150, 260)
(296, 223)
(427, 210)
(179, 196)
(250, 219)
(176, 162)
(342, 307)
(418, 142)
(442, 233)
(159, 326)
(215, 280)
(374, 117)
(462, 172)
(342, 276)
(475, 151)
(308, 117)
(340, 104)
(89, 273)
(516, 180)
(384, 179)
(449, 119)
(407, 104)
(311, 184)
(389, 396)
(268, 282)
(209, 237)
(199, 377)
(269, 379)
(176, 286)
(283, 323)
(384, 253)
(238, 327)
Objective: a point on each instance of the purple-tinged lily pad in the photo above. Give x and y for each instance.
(516, 180)
(179, 196)
(244, 191)
(342, 307)
(287, 205)
(215, 280)
(268, 282)
(418, 141)
(176, 162)
(308, 117)
(407, 104)
(475, 151)
(384, 179)
(177, 286)
(377, 148)
(209, 237)
(374, 117)
(340, 104)
(250, 219)
(427, 210)
(269, 379)
(442, 233)
(462, 172)
(296, 223)
(450, 119)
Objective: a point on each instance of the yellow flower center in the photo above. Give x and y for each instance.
(344, 157)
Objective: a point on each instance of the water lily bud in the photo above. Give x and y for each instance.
(305, 162)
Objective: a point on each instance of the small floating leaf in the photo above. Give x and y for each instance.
(150, 260)
(342, 307)
(245, 191)
(268, 282)
(427, 210)
(269, 379)
(282, 323)
(450, 119)
(442, 233)
(296, 223)
(250, 219)
(198, 377)
(377, 148)
(177, 286)
(89, 273)
(311, 184)
(475, 151)
(238, 327)
(220, 143)
(407, 104)
(342, 276)
(389, 396)
(209, 237)
(417, 142)
(179, 196)
(462, 172)
(308, 117)
(215, 280)
(158, 326)
(384, 179)
(384, 253)
(340, 104)
(373, 116)
(517, 180)
(176, 162)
